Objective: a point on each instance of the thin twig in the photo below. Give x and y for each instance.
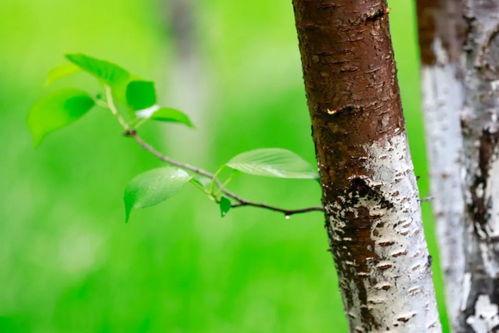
(241, 202)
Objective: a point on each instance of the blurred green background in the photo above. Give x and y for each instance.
(70, 264)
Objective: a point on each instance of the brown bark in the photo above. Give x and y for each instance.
(369, 191)
(442, 19)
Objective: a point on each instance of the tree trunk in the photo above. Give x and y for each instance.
(187, 68)
(369, 188)
(187, 71)
(480, 126)
(441, 32)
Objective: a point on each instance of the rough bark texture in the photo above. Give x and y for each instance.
(369, 189)
(480, 126)
(441, 34)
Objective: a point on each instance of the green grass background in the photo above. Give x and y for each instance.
(70, 264)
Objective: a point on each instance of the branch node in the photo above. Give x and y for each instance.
(130, 133)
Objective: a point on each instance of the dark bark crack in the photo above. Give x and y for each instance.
(479, 207)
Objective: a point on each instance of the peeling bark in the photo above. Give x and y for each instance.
(480, 126)
(441, 34)
(369, 188)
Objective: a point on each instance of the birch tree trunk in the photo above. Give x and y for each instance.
(480, 126)
(188, 72)
(369, 188)
(441, 32)
(188, 81)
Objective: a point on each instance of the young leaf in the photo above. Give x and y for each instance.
(57, 110)
(105, 71)
(61, 72)
(225, 206)
(273, 162)
(152, 187)
(141, 95)
(172, 115)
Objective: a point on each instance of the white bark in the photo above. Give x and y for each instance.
(443, 93)
(398, 280)
(481, 155)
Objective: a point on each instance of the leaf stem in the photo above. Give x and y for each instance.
(214, 181)
(141, 122)
(112, 107)
(240, 201)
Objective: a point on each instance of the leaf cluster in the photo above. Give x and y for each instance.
(62, 107)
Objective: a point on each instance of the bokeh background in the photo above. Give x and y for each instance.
(68, 261)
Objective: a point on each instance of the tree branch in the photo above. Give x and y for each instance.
(241, 202)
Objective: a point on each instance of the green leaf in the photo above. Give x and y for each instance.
(225, 206)
(141, 95)
(61, 72)
(105, 71)
(57, 110)
(152, 187)
(172, 115)
(273, 162)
